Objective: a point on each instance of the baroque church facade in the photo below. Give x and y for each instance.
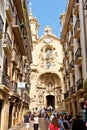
(46, 69)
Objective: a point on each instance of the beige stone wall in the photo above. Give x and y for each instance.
(15, 59)
(41, 76)
(73, 39)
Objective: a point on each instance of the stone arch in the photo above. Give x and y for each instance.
(48, 85)
(48, 74)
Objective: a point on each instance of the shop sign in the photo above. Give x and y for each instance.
(21, 85)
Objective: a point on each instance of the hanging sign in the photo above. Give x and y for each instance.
(21, 84)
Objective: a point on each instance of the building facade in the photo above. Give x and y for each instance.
(15, 59)
(46, 69)
(74, 41)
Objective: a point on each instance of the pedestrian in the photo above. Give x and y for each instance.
(48, 114)
(78, 123)
(36, 121)
(60, 122)
(26, 120)
(66, 123)
(54, 124)
(51, 117)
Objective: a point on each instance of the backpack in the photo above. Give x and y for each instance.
(65, 124)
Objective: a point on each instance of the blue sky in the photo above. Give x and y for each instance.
(48, 12)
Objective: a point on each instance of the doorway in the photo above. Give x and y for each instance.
(10, 115)
(50, 101)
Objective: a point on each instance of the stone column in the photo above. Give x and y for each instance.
(20, 114)
(78, 104)
(13, 117)
(56, 101)
(45, 102)
(5, 115)
(73, 108)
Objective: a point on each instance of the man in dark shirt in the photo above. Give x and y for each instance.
(26, 121)
(78, 123)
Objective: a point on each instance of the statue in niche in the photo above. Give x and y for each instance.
(48, 53)
(50, 86)
(58, 99)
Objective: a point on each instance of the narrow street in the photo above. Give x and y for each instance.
(42, 70)
(43, 125)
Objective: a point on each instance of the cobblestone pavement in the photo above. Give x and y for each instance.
(42, 126)
(22, 127)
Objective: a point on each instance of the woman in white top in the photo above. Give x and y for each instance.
(36, 121)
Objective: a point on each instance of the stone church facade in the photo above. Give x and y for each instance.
(46, 69)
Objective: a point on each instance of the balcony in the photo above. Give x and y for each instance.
(18, 32)
(13, 86)
(66, 95)
(71, 23)
(1, 27)
(70, 44)
(77, 29)
(6, 79)
(67, 74)
(85, 5)
(76, 7)
(67, 54)
(21, 71)
(72, 90)
(71, 67)
(79, 84)
(64, 79)
(25, 98)
(14, 59)
(64, 62)
(67, 36)
(78, 56)
(13, 90)
(64, 47)
(18, 5)
(9, 10)
(7, 44)
(19, 66)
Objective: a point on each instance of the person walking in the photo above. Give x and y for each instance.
(54, 124)
(26, 120)
(60, 122)
(66, 123)
(78, 123)
(36, 121)
(51, 117)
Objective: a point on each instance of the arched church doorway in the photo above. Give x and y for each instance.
(50, 99)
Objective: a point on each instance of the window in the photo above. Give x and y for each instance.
(6, 66)
(85, 5)
(48, 65)
(1, 24)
